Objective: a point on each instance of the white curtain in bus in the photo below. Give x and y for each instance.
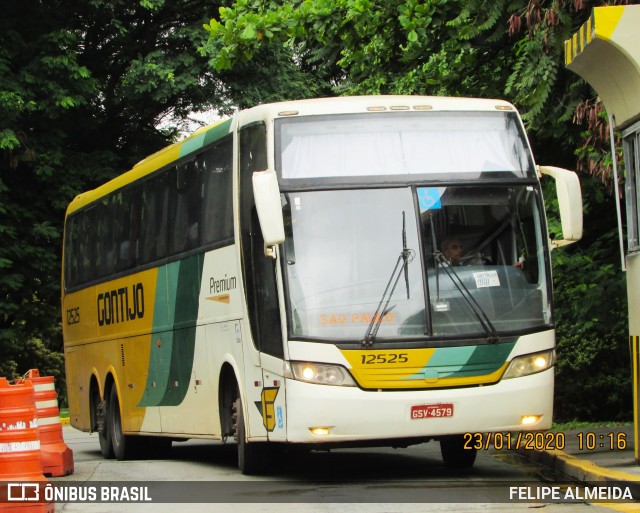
(393, 153)
(343, 154)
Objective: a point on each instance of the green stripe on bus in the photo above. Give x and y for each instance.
(466, 361)
(192, 144)
(217, 131)
(162, 336)
(184, 339)
(174, 333)
(485, 359)
(198, 141)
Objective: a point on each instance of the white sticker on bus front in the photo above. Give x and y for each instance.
(487, 279)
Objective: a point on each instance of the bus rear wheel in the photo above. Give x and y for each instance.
(454, 453)
(252, 457)
(124, 446)
(99, 423)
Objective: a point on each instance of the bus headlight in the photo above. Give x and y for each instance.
(530, 364)
(319, 373)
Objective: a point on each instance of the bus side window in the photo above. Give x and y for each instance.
(259, 270)
(266, 318)
(123, 245)
(135, 199)
(71, 260)
(217, 195)
(185, 208)
(105, 255)
(87, 246)
(154, 210)
(289, 245)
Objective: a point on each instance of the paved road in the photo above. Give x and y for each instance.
(373, 480)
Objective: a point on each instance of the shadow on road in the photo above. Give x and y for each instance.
(369, 464)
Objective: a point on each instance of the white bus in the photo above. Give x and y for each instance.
(288, 276)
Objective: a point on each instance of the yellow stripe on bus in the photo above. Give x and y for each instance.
(147, 166)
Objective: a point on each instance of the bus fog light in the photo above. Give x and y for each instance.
(320, 373)
(530, 364)
(320, 431)
(530, 420)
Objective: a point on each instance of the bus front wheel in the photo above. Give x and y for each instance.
(252, 457)
(455, 454)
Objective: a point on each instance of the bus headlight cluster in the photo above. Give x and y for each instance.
(530, 364)
(319, 373)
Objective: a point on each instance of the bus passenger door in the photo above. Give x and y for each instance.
(264, 316)
(264, 383)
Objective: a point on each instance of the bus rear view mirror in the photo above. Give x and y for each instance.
(268, 204)
(570, 203)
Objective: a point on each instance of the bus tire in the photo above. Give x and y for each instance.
(454, 453)
(100, 410)
(124, 446)
(252, 457)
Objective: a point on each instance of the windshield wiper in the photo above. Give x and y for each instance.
(478, 311)
(402, 265)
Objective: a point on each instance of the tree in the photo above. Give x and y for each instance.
(89, 88)
(509, 48)
(98, 86)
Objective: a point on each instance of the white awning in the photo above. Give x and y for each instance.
(606, 53)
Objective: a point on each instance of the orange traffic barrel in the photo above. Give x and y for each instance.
(57, 457)
(21, 478)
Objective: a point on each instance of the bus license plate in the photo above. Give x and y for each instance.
(430, 411)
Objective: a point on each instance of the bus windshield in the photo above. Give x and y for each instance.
(346, 148)
(343, 257)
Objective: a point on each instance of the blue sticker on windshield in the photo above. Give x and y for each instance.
(429, 198)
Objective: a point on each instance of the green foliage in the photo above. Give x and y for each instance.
(83, 90)
(35, 354)
(370, 42)
(268, 86)
(441, 47)
(594, 153)
(591, 317)
(585, 426)
(8, 140)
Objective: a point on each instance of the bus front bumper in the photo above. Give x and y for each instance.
(331, 414)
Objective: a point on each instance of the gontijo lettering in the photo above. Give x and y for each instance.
(121, 305)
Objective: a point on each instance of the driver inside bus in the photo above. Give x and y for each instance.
(453, 251)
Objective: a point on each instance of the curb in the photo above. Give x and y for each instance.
(575, 468)
(65, 421)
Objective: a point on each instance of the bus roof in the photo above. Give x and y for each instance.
(357, 104)
(158, 160)
(310, 107)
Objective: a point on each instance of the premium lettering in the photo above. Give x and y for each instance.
(222, 285)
